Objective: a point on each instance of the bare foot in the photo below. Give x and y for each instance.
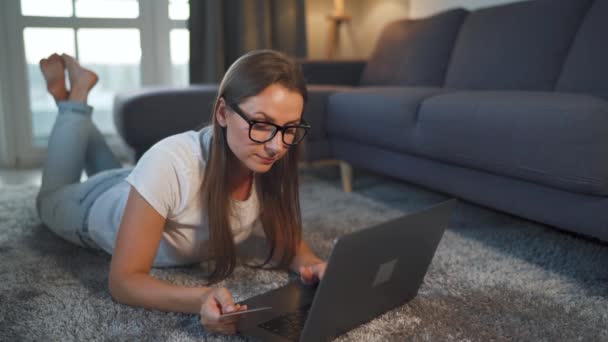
(53, 69)
(81, 79)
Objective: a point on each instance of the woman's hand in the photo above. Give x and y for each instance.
(217, 302)
(312, 273)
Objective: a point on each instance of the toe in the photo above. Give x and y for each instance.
(56, 58)
(68, 60)
(43, 64)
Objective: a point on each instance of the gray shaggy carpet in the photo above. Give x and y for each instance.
(494, 277)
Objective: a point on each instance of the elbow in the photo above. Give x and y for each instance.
(119, 288)
(115, 287)
(126, 288)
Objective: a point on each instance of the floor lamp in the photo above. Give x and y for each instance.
(336, 20)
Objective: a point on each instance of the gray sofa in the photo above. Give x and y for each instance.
(505, 106)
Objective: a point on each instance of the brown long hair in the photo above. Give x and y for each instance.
(277, 189)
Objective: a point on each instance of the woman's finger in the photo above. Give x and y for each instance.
(210, 312)
(319, 270)
(313, 273)
(223, 296)
(306, 275)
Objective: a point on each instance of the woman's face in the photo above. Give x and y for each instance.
(275, 104)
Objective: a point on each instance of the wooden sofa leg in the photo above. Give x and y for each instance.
(346, 173)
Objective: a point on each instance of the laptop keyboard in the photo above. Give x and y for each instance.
(288, 325)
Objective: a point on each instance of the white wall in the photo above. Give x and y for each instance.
(369, 18)
(6, 157)
(358, 38)
(7, 153)
(423, 8)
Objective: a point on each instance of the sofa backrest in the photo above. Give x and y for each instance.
(145, 116)
(414, 52)
(521, 45)
(586, 68)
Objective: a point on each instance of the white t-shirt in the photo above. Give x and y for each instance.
(169, 177)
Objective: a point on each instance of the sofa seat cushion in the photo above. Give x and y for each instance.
(556, 139)
(379, 116)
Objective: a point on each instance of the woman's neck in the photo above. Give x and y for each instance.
(240, 184)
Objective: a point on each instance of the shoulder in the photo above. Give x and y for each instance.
(168, 172)
(182, 143)
(175, 159)
(180, 150)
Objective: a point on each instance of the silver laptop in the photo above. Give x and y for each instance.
(369, 272)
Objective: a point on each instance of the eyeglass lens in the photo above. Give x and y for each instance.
(262, 132)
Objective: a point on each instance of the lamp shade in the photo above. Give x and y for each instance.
(338, 7)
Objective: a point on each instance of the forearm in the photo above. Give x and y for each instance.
(304, 257)
(145, 291)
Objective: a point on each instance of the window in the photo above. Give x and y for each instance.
(128, 43)
(179, 13)
(180, 55)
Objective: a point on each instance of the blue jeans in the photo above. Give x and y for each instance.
(75, 144)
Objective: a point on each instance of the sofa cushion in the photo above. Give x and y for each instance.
(315, 111)
(559, 140)
(379, 116)
(414, 52)
(332, 72)
(586, 68)
(519, 46)
(145, 116)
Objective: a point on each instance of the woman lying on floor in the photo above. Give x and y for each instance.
(193, 196)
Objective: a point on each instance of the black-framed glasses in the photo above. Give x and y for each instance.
(262, 131)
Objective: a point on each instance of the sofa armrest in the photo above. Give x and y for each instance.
(316, 144)
(146, 116)
(341, 72)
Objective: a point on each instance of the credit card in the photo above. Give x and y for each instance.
(246, 311)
